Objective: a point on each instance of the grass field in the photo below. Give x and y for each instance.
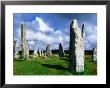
(53, 65)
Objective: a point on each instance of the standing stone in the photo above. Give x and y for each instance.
(39, 53)
(42, 53)
(83, 31)
(25, 50)
(45, 54)
(48, 50)
(35, 54)
(61, 50)
(76, 47)
(94, 59)
(16, 50)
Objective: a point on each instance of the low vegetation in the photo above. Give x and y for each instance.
(53, 65)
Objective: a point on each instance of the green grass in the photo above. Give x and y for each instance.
(53, 65)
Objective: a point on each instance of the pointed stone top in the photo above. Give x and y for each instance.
(83, 26)
(74, 23)
(95, 48)
(23, 25)
(83, 30)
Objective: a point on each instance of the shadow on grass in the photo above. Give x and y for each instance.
(58, 67)
(90, 61)
(77, 73)
(66, 59)
(18, 60)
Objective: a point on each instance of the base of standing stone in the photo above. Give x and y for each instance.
(61, 50)
(26, 57)
(94, 56)
(16, 56)
(34, 56)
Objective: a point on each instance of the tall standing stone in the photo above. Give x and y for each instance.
(39, 53)
(16, 50)
(42, 53)
(94, 57)
(25, 50)
(61, 50)
(48, 50)
(76, 48)
(35, 54)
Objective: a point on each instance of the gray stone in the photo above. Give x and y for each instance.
(76, 49)
(35, 54)
(16, 50)
(25, 50)
(42, 53)
(61, 50)
(39, 53)
(45, 54)
(94, 59)
(48, 50)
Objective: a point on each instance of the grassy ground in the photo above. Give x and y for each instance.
(53, 65)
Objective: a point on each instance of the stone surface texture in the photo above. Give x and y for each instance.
(95, 54)
(61, 50)
(16, 50)
(48, 50)
(25, 50)
(76, 48)
(35, 53)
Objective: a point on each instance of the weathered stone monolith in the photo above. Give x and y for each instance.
(76, 48)
(94, 57)
(48, 50)
(25, 50)
(35, 54)
(15, 50)
(39, 53)
(45, 54)
(61, 50)
(42, 52)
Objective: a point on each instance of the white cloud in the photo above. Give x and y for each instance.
(43, 27)
(31, 42)
(40, 32)
(30, 35)
(91, 36)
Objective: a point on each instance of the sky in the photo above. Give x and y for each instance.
(53, 28)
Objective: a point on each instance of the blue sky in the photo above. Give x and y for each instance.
(53, 28)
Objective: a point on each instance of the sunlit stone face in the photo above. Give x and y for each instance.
(48, 50)
(16, 49)
(35, 54)
(25, 50)
(76, 47)
(95, 54)
(75, 24)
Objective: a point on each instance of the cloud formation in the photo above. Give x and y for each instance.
(41, 33)
(91, 36)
